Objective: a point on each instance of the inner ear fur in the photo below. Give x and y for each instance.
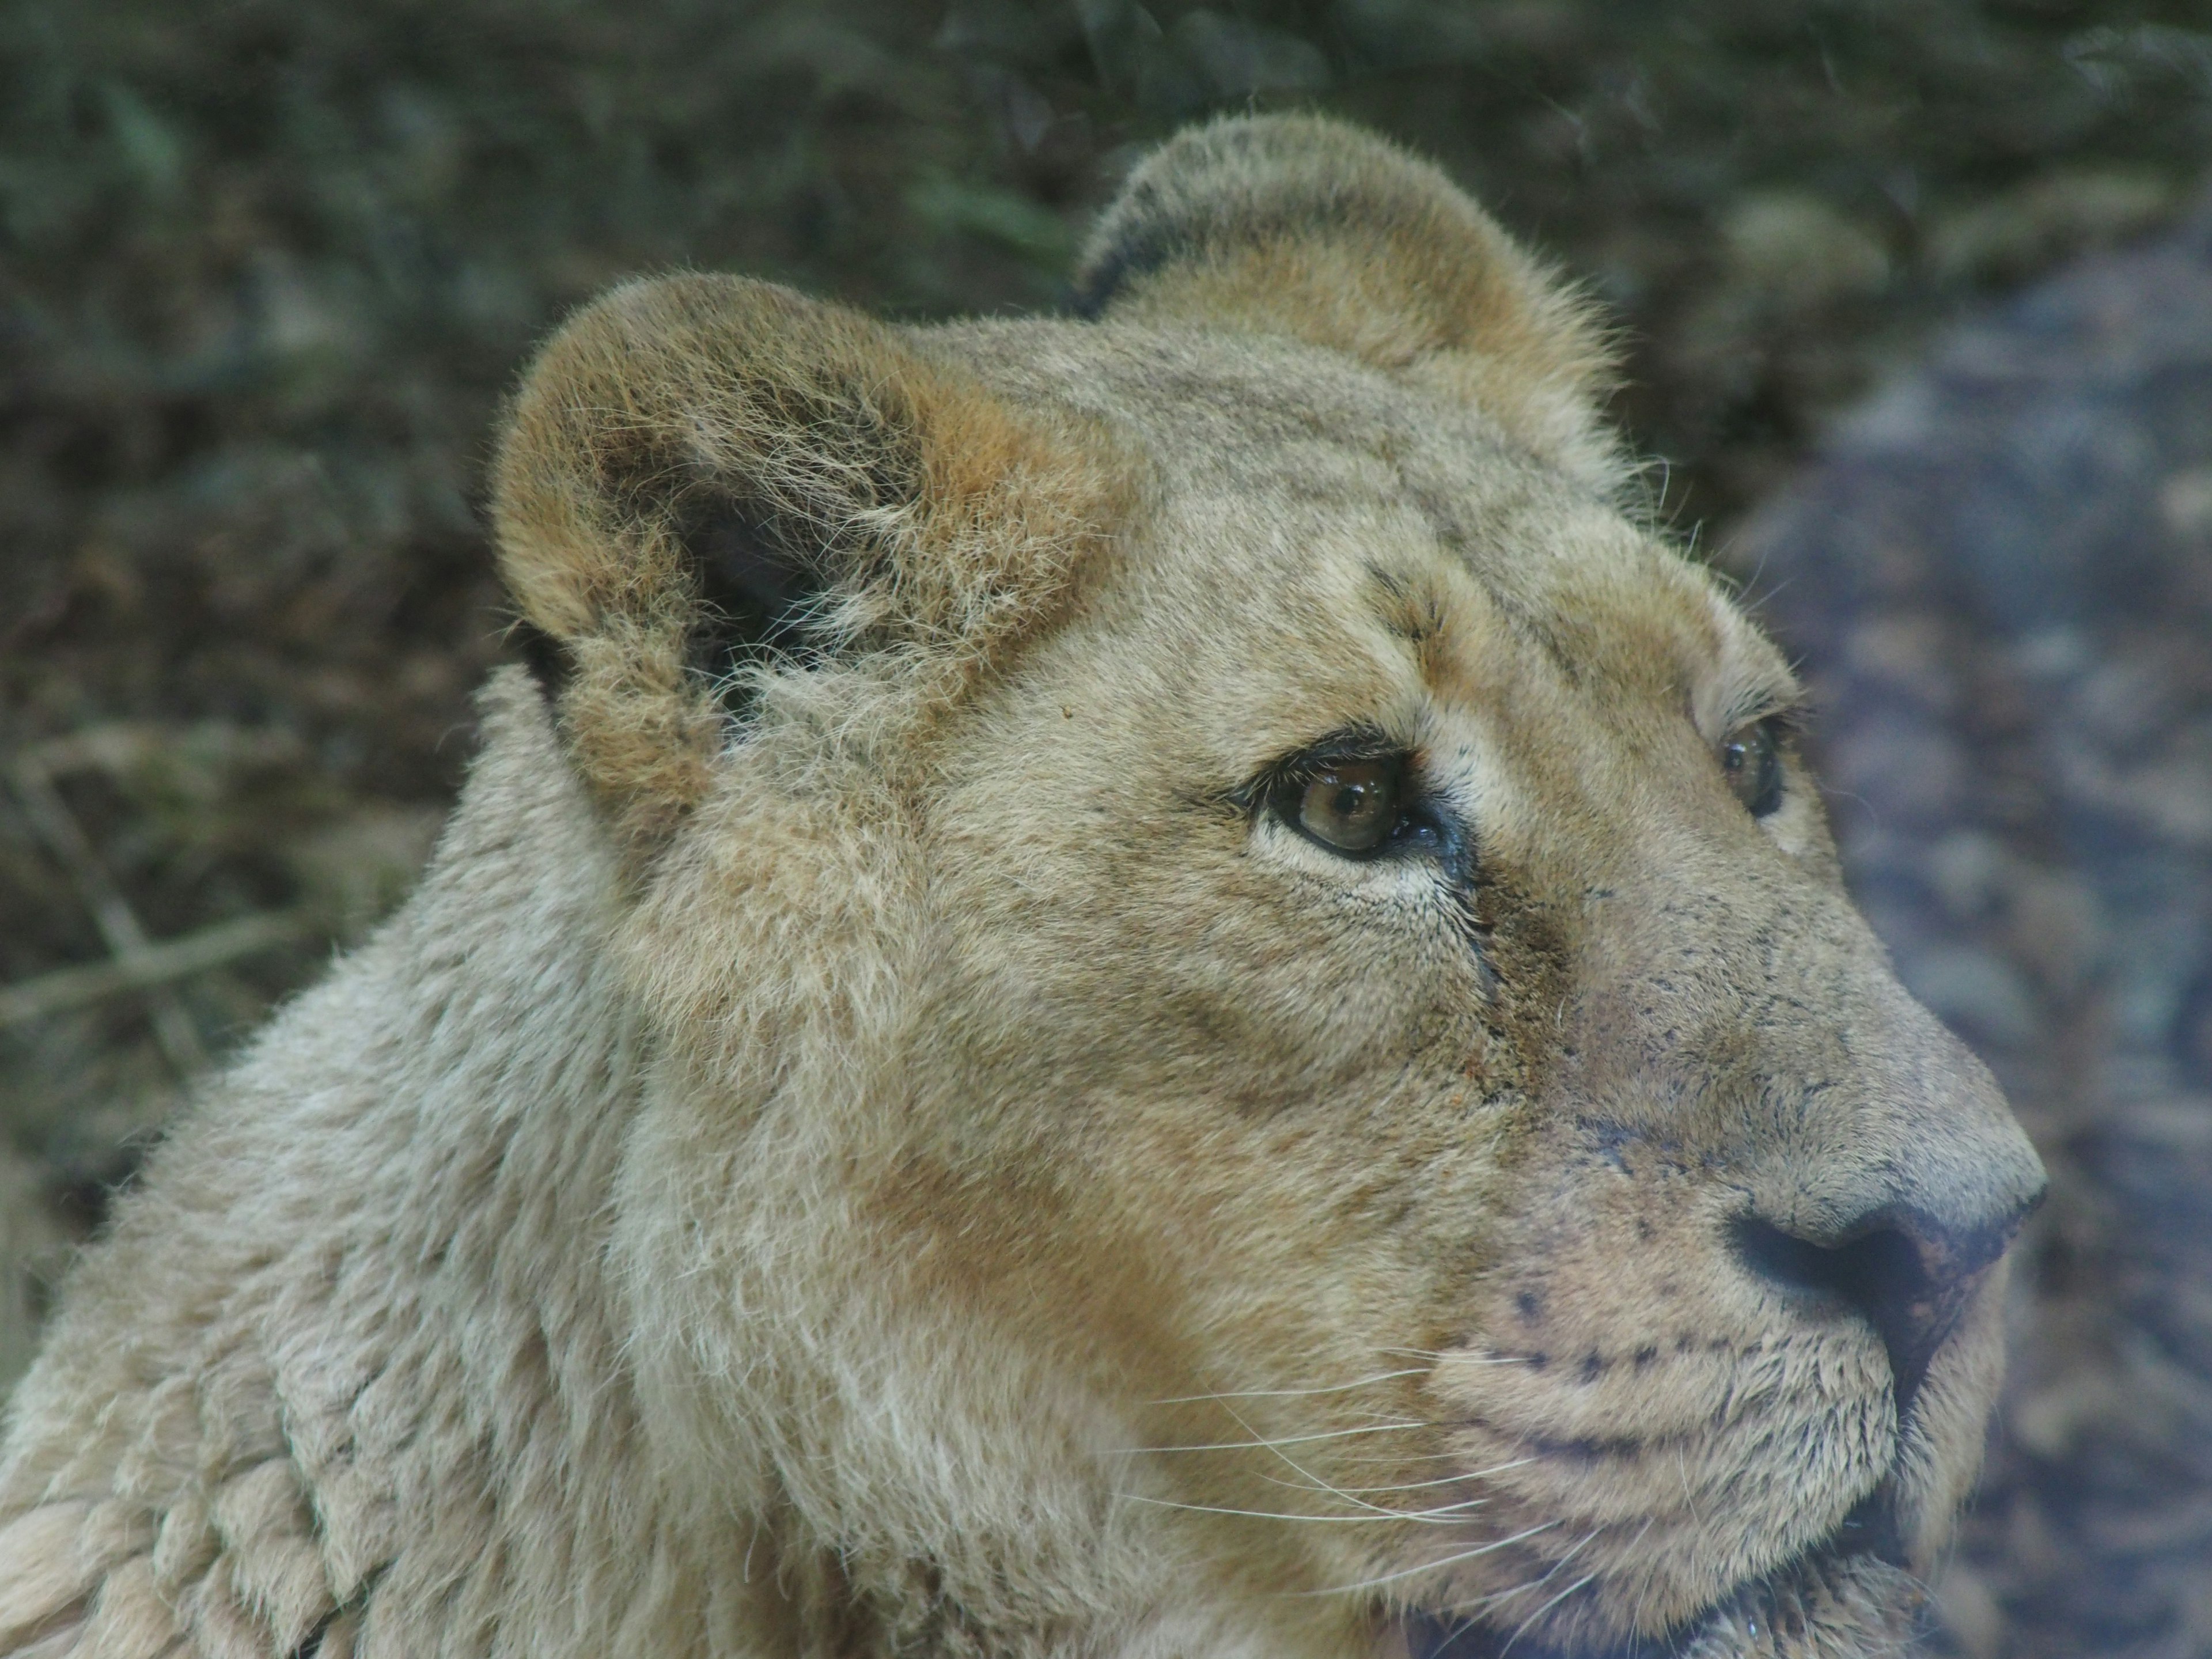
(1302, 226)
(701, 472)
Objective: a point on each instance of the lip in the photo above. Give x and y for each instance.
(1866, 1539)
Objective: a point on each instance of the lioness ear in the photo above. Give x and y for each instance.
(702, 473)
(1297, 225)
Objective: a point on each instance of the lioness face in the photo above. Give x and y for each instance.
(1265, 995)
(1424, 1038)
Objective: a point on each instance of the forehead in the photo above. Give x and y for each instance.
(1346, 544)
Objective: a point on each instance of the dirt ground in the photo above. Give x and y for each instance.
(267, 267)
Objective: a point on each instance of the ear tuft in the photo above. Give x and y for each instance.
(704, 474)
(1302, 226)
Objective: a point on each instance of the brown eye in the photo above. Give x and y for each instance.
(1352, 806)
(1752, 761)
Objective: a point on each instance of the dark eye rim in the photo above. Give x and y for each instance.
(1777, 730)
(1419, 829)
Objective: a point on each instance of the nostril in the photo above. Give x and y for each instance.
(1861, 1271)
(1895, 1279)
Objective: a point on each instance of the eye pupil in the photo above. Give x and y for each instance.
(1351, 806)
(1751, 759)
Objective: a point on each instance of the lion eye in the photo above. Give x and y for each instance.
(1352, 806)
(1751, 761)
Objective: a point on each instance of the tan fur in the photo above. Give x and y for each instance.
(1303, 227)
(885, 1146)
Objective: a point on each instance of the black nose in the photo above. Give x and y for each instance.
(1911, 1276)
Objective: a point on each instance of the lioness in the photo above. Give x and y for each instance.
(1143, 985)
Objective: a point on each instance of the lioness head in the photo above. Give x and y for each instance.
(1255, 1031)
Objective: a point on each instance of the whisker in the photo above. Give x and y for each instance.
(1287, 1440)
(1355, 1497)
(1305, 1473)
(1537, 1583)
(1546, 1608)
(1458, 1354)
(1636, 1616)
(1495, 1596)
(1430, 1513)
(1285, 1394)
(1269, 1514)
(1440, 1510)
(1440, 1480)
(1433, 1566)
(1441, 1457)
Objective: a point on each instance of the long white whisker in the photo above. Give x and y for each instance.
(1433, 1566)
(1458, 1354)
(1587, 1539)
(1285, 1394)
(1439, 1509)
(1537, 1583)
(1307, 1474)
(1495, 1596)
(1442, 1456)
(1546, 1608)
(1442, 1480)
(1635, 1615)
(1432, 1511)
(1271, 1515)
(1287, 1440)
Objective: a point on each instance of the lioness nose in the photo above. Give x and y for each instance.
(1910, 1274)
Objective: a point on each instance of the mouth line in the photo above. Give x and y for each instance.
(1869, 1532)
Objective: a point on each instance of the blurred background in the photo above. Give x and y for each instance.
(1916, 296)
